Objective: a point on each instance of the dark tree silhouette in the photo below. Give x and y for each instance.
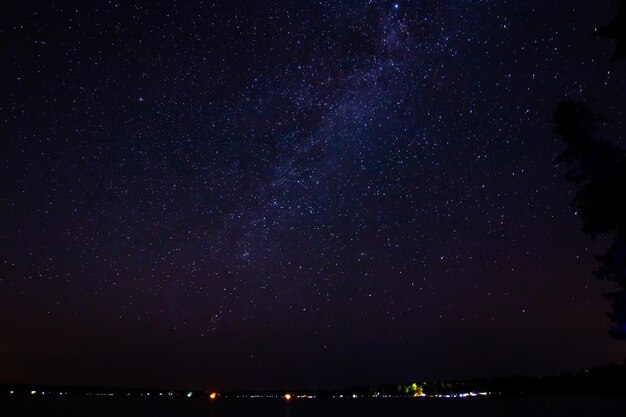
(616, 30)
(599, 170)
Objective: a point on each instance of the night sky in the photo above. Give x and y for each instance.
(265, 194)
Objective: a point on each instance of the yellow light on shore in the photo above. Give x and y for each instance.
(213, 395)
(287, 397)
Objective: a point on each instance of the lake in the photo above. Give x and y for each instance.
(389, 407)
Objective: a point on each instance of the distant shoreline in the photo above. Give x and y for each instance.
(599, 381)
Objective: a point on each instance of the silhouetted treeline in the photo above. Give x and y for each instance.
(598, 168)
(607, 380)
(616, 30)
(601, 381)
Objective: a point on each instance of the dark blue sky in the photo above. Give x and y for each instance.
(317, 194)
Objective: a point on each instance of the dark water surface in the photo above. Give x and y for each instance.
(474, 407)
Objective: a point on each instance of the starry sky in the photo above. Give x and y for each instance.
(251, 195)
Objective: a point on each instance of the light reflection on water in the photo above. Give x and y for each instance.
(346, 407)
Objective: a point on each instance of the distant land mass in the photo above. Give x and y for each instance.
(600, 381)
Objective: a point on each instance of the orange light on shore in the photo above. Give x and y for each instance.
(213, 395)
(287, 397)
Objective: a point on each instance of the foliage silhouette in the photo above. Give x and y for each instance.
(598, 168)
(616, 30)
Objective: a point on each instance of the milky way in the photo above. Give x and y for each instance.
(247, 195)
